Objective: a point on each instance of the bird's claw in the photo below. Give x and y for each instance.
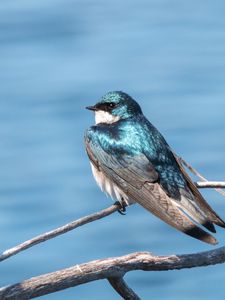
(122, 209)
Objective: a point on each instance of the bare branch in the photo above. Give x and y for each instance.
(59, 231)
(123, 289)
(210, 184)
(108, 268)
(196, 173)
(112, 269)
(80, 222)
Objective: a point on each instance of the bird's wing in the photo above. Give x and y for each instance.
(136, 176)
(135, 170)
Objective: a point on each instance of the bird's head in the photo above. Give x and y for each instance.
(115, 106)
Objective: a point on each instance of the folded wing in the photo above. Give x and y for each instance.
(137, 177)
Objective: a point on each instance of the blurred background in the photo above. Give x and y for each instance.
(56, 57)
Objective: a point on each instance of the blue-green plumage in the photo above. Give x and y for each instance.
(131, 159)
(135, 136)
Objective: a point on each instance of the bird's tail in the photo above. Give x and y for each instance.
(168, 210)
(190, 208)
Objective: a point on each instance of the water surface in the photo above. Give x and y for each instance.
(56, 57)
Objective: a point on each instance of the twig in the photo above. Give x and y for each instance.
(121, 287)
(111, 269)
(196, 173)
(108, 268)
(59, 231)
(77, 223)
(210, 184)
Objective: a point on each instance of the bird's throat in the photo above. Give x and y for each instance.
(105, 117)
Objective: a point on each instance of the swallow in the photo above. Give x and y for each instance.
(132, 162)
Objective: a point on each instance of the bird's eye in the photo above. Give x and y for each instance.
(112, 105)
(106, 106)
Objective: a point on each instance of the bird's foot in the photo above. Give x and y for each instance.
(122, 209)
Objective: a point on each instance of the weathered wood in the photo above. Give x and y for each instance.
(80, 222)
(210, 184)
(121, 287)
(112, 269)
(196, 173)
(108, 268)
(59, 231)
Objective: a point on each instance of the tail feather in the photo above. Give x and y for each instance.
(199, 234)
(209, 225)
(153, 198)
(193, 211)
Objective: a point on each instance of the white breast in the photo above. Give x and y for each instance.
(105, 117)
(109, 187)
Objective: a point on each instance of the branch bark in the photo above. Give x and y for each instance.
(108, 268)
(210, 184)
(112, 269)
(121, 287)
(196, 173)
(59, 231)
(80, 222)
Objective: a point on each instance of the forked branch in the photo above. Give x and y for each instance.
(80, 222)
(109, 268)
(112, 269)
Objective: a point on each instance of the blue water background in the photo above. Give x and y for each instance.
(56, 57)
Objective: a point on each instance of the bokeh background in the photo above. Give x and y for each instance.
(56, 57)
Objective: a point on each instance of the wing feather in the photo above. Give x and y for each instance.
(136, 176)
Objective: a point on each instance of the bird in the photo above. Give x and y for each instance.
(132, 163)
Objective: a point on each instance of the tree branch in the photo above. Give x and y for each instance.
(196, 173)
(210, 184)
(59, 231)
(80, 222)
(122, 288)
(112, 269)
(108, 268)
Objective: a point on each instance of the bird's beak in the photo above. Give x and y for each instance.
(93, 108)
